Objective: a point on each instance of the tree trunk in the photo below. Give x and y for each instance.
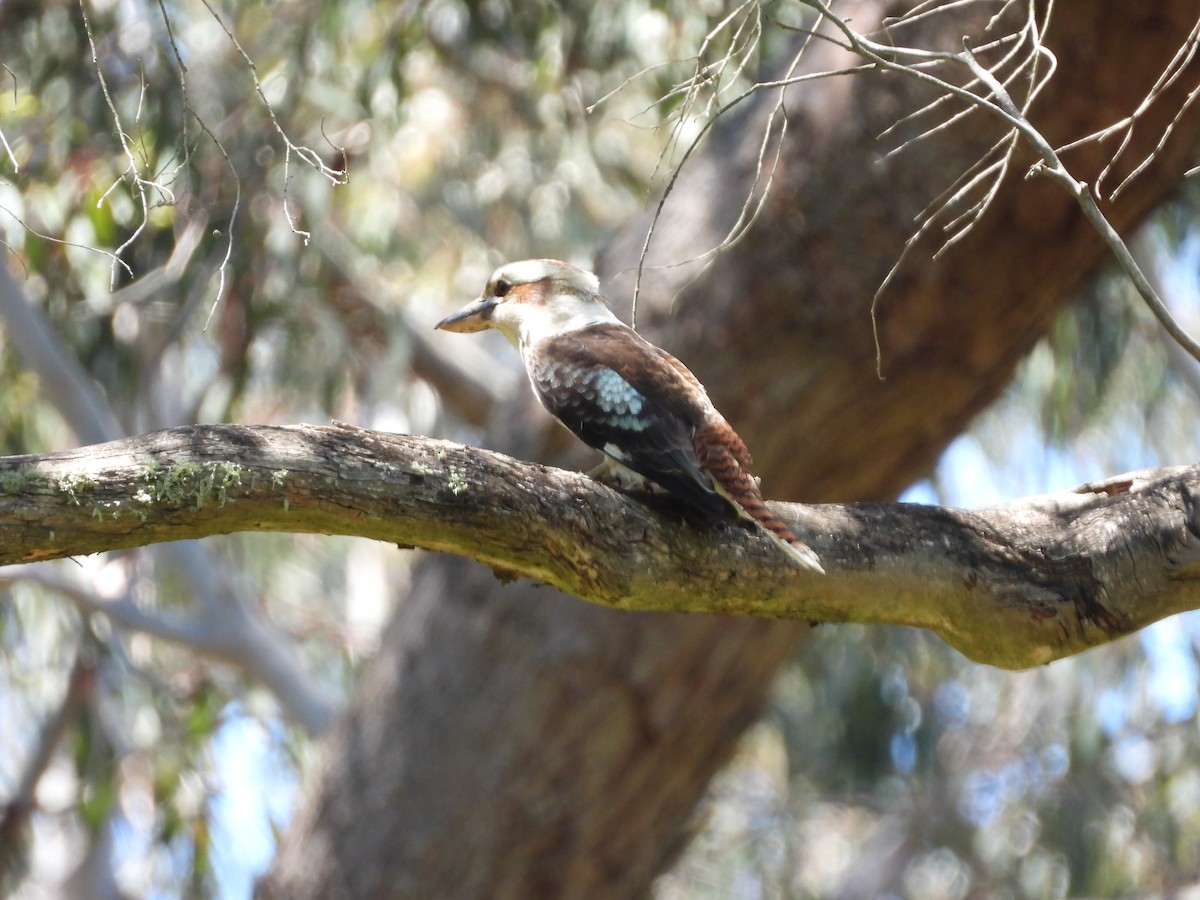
(508, 741)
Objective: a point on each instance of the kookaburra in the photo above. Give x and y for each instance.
(622, 395)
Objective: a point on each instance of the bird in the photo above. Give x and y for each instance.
(622, 395)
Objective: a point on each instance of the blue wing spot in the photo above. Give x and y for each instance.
(622, 405)
(616, 397)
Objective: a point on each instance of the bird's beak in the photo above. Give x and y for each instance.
(472, 317)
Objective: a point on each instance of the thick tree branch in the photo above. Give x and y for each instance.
(1014, 586)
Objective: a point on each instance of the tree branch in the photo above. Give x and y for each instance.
(1014, 586)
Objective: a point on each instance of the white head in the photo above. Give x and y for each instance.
(533, 299)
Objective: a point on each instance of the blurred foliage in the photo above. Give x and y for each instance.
(462, 135)
(956, 780)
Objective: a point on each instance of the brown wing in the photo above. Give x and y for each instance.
(653, 440)
(649, 369)
(586, 384)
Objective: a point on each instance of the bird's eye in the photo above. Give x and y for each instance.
(502, 288)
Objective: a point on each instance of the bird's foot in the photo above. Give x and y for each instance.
(627, 481)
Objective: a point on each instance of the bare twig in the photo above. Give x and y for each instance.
(4, 140)
(754, 202)
(335, 176)
(998, 102)
(1051, 165)
(223, 268)
(1170, 74)
(140, 184)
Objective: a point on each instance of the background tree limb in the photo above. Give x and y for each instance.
(223, 621)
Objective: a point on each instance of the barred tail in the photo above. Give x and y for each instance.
(738, 486)
(783, 536)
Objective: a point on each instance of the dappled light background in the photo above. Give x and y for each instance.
(1079, 778)
(271, 245)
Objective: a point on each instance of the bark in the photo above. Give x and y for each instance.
(1021, 585)
(509, 743)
